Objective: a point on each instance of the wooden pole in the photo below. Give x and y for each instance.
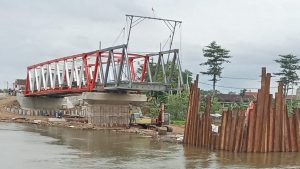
(271, 126)
(297, 116)
(266, 114)
(223, 129)
(278, 116)
(293, 139)
(260, 112)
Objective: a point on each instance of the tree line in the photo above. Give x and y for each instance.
(216, 56)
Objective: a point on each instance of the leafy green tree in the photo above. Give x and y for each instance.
(215, 105)
(177, 105)
(154, 102)
(242, 94)
(215, 102)
(175, 102)
(187, 77)
(289, 64)
(216, 56)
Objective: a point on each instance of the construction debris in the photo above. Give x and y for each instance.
(37, 121)
(162, 131)
(56, 120)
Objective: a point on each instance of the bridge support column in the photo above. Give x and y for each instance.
(110, 109)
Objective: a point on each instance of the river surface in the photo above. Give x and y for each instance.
(37, 147)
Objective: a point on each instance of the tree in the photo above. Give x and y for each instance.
(242, 94)
(216, 56)
(215, 105)
(187, 77)
(204, 94)
(177, 105)
(289, 64)
(175, 102)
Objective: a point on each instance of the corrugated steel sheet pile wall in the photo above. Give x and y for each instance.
(266, 128)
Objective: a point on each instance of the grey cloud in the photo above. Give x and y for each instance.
(255, 31)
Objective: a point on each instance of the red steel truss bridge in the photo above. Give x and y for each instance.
(109, 69)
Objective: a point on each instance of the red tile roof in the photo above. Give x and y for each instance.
(20, 82)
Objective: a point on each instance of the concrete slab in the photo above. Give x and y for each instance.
(37, 121)
(48, 103)
(113, 98)
(56, 120)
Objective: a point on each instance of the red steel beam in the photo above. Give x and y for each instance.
(146, 60)
(91, 81)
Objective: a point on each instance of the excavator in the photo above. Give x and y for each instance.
(137, 119)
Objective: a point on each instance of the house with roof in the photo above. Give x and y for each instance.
(19, 84)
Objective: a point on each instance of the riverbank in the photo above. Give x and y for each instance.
(173, 137)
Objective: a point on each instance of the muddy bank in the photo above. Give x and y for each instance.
(81, 123)
(171, 137)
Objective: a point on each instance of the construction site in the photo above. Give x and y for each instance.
(117, 106)
(106, 88)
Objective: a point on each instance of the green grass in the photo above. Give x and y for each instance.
(178, 122)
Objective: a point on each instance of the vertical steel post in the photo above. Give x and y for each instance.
(163, 69)
(111, 53)
(58, 74)
(107, 69)
(128, 68)
(172, 68)
(149, 71)
(121, 67)
(157, 66)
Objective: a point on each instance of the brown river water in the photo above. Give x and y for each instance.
(37, 147)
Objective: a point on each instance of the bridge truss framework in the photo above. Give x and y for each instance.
(108, 69)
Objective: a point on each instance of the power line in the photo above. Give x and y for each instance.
(230, 87)
(118, 37)
(241, 78)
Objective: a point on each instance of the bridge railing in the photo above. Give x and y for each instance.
(106, 69)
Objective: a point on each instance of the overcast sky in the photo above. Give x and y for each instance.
(255, 31)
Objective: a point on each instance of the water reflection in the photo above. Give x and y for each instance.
(115, 149)
(29, 146)
(202, 158)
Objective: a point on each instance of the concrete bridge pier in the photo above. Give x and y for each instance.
(102, 109)
(110, 109)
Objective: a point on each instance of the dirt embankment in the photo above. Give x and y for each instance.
(9, 101)
(174, 137)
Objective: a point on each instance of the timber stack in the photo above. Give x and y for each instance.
(265, 127)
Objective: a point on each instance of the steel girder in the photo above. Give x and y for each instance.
(106, 69)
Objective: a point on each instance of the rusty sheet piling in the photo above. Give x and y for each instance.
(267, 127)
